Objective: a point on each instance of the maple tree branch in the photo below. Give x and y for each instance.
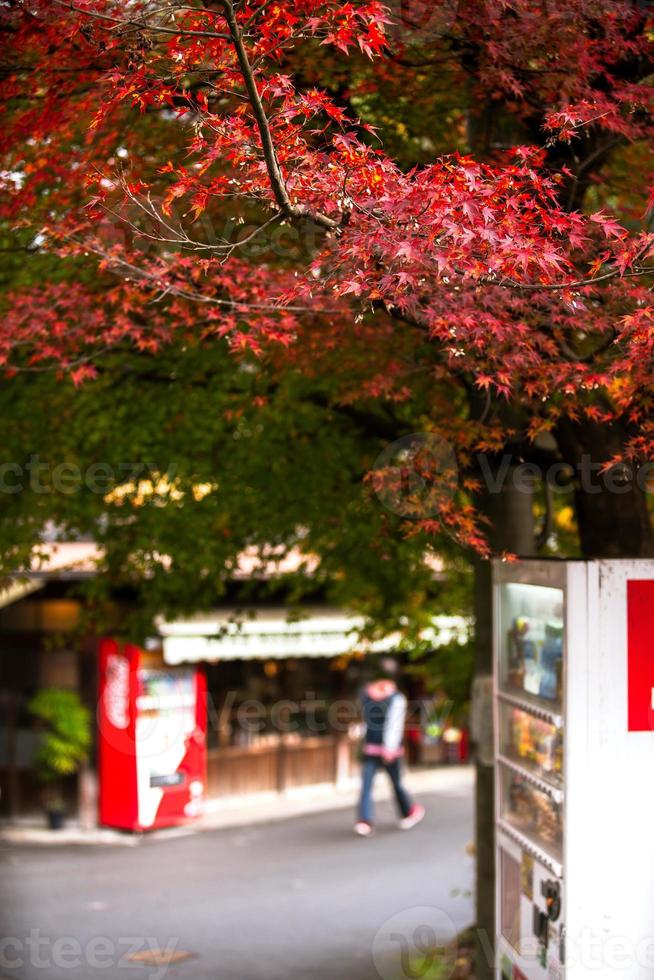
(275, 176)
(9, 69)
(178, 234)
(601, 348)
(151, 280)
(142, 25)
(257, 13)
(575, 284)
(53, 368)
(571, 355)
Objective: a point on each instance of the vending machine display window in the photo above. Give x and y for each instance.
(532, 810)
(165, 720)
(531, 618)
(531, 742)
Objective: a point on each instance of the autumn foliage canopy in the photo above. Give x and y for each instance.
(209, 172)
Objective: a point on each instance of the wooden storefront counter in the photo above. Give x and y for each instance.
(237, 770)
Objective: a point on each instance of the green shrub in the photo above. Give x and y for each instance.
(66, 739)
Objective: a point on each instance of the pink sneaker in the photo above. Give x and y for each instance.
(414, 816)
(363, 828)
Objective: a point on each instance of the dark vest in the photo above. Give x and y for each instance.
(374, 717)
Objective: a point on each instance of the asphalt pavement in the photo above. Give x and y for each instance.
(298, 899)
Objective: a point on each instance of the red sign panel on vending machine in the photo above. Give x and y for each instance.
(640, 646)
(152, 741)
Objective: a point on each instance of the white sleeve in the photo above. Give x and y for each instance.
(394, 723)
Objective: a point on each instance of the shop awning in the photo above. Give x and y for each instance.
(68, 559)
(18, 590)
(267, 634)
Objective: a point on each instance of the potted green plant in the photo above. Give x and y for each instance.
(64, 745)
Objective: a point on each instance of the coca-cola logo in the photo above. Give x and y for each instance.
(116, 692)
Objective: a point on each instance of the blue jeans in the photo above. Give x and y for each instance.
(371, 764)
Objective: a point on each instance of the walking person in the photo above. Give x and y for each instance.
(383, 709)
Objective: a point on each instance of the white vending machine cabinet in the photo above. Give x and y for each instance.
(574, 753)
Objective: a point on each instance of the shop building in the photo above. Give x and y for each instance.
(281, 693)
(41, 646)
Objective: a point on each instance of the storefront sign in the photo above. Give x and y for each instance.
(640, 652)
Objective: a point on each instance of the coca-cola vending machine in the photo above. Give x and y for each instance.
(151, 742)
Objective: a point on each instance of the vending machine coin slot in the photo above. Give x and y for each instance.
(551, 892)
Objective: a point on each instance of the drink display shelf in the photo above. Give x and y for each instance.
(551, 861)
(555, 792)
(531, 705)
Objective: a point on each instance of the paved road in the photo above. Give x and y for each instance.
(298, 900)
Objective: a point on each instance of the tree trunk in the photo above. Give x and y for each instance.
(612, 508)
(511, 512)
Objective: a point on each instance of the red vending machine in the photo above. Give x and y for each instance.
(152, 741)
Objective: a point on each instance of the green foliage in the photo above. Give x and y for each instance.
(454, 962)
(185, 459)
(66, 737)
(448, 671)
